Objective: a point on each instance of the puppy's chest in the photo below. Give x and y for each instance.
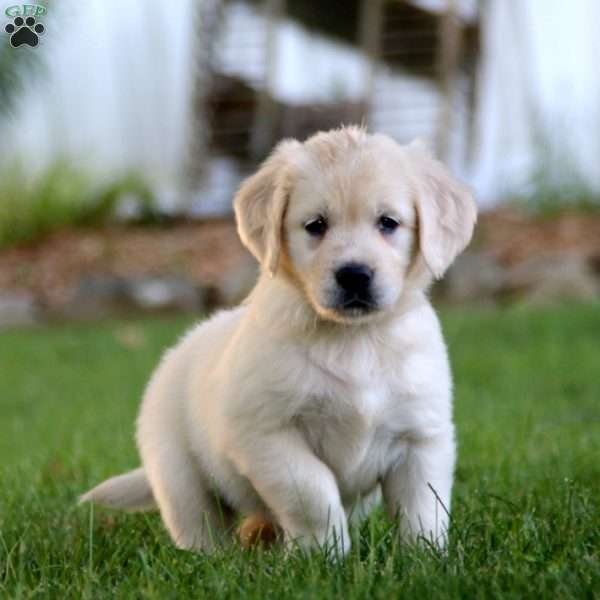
(354, 431)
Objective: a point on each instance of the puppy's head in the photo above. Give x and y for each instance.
(354, 219)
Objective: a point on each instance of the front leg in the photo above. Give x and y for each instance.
(299, 489)
(408, 493)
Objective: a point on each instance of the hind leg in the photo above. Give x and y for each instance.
(188, 507)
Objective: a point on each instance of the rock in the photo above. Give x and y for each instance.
(474, 277)
(17, 308)
(553, 278)
(164, 294)
(97, 295)
(237, 282)
(546, 278)
(593, 263)
(102, 295)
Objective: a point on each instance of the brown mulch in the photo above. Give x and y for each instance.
(203, 251)
(512, 236)
(51, 267)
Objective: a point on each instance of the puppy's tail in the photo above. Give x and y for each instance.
(130, 491)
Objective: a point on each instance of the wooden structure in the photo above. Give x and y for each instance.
(242, 117)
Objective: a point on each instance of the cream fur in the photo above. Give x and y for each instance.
(285, 407)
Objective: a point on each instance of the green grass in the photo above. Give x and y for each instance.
(525, 511)
(63, 195)
(555, 186)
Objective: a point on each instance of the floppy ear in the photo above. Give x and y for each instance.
(446, 211)
(260, 205)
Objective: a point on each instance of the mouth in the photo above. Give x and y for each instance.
(356, 306)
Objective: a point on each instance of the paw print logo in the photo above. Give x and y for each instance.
(24, 31)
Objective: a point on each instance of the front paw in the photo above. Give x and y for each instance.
(334, 541)
(433, 530)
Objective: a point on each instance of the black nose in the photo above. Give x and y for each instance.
(354, 277)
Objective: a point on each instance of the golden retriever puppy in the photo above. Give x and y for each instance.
(331, 382)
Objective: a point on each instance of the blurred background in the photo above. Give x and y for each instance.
(126, 130)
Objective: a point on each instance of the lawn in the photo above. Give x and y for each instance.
(526, 512)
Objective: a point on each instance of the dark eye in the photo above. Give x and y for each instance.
(316, 227)
(387, 224)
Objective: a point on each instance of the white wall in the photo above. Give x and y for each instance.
(540, 73)
(114, 94)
